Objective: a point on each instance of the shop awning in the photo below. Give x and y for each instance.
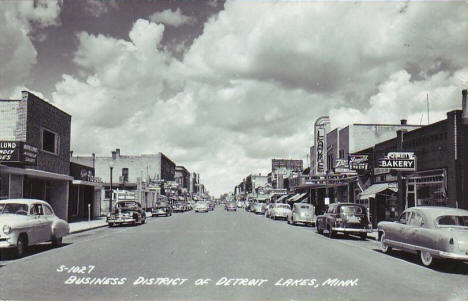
(297, 197)
(372, 190)
(262, 197)
(35, 173)
(282, 198)
(87, 183)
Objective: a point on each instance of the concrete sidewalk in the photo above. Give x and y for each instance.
(76, 227)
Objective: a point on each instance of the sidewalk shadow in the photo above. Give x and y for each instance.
(9, 254)
(440, 265)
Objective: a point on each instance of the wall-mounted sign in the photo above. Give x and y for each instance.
(401, 161)
(17, 152)
(319, 149)
(358, 162)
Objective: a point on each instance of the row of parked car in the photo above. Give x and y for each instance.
(433, 233)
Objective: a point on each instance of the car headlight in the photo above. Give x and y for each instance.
(6, 229)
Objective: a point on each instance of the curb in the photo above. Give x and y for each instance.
(87, 229)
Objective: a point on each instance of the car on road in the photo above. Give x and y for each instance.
(26, 222)
(211, 205)
(259, 208)
(201, 206)
(230, 206)
(126, 212)
(431, 232)
(346, 218)
(161, 208)
(280, 210)
(268, 209)
(302, 213)
(178, 206)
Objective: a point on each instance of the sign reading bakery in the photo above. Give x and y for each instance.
(401, 161)
(17, 152)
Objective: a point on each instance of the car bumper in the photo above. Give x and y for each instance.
(159, 212)
(120, 220)
(351, 230)
(305, 220)
(5, 243)
(201, 210)
(449, 255)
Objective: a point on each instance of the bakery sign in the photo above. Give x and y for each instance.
(17, 152)
(401, 161)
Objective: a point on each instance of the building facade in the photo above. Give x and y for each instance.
(35, 151)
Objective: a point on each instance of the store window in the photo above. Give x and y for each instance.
(49, 141)
(428, 188)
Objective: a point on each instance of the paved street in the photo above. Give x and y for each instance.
(214, 245)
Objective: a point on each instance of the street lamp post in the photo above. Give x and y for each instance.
(111, 167)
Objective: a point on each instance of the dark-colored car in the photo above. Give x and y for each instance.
(162, 208)
(211, 205)
(347, 218)
(127, 212)
(178, 206)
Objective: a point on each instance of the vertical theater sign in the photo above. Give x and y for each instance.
(320, 137)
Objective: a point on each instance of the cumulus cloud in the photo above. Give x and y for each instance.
(17, 53)
(173, 18)
(251, 85)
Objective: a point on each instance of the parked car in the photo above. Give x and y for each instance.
(280, 210)
(259, 208)
(211, 205)
(126, 212)
(347, 218)
(201, 207)
(230, 206)
(431, 232)
(268, 209)
(302, 213)
(26, 222)
(247, 205)
(161, 208)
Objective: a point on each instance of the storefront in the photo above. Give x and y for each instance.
(427, 188)
(381, 201)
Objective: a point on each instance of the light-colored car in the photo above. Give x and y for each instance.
(302, 213)
(431, 232)
(230, 206)
(201, 207)
(259, 208)
(268, 209)
(280, 210)
(26, 222)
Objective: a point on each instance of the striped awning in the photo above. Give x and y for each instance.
(372, 190)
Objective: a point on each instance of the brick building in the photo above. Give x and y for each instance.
(35, 151)
(182, 178)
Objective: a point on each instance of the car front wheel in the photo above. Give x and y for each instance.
(57, 242)
(383, 246)
(21, 246)
(331, 233)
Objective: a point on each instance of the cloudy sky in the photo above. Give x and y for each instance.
(223, 87)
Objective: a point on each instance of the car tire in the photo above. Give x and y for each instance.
(426, 258)
(383, 246)
(289, 223)
(363, 236)
(111, 225)
(57, 242)
(293, 222)
(21, 247)
(143, 221)
(319, 230)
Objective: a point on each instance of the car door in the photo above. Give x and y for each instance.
(401, 233)
(419, 235)
(50, 218)
(43, 228)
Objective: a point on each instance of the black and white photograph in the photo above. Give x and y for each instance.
(233, 150)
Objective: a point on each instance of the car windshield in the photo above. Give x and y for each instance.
(351, 210)
(304, 207)
(453, 220)
(14, 208)
(128, 204)
(283, 206)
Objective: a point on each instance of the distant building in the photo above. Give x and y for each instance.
(282, 169)
(182, 177)
(130, 172)
(35, 151)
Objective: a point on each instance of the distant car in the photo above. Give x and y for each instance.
(126, 212)
(347, 218)
(161, 208)
(302, 213)
(268, 209)
(280, 210)
(239, 204)
(26, 222)
(201, 207)
(431, 232)
(259, 208)
(231, 206)
(247, 205)
(211, 205)
(178, 207)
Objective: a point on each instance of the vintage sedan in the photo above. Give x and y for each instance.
(26, 222)
(161, 208)
(201, 206)
(126, 212)
(230, 206)
(347, 218)
(268, 209)
(259, 208)
(178, 207)
(431, 232)
(280, 210)
(302, 213)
